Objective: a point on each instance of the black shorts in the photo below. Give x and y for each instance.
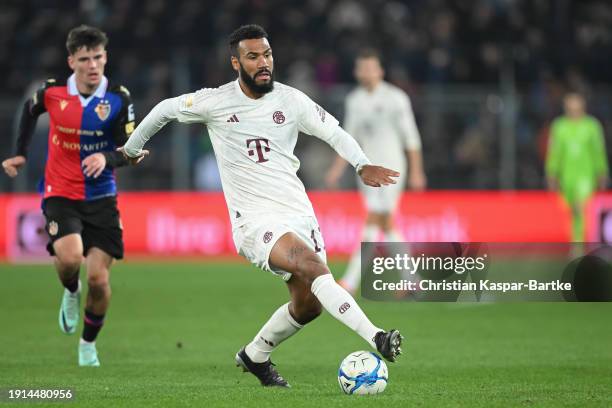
(96, 221)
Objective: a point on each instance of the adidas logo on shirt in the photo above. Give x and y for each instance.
(233, 118)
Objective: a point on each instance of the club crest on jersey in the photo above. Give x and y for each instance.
(53, 228)
(278, 117)
(103, 110)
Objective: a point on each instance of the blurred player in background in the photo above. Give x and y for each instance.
(253, 123)
(379, 115)
(89, 118)
(576, 163)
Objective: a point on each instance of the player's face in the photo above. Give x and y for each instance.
(574, 105)
(255, 64)
(368, 71)
(88, 66)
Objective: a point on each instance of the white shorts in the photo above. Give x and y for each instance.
(382, 199)
(255, 239)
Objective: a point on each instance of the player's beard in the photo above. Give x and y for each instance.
(249, 81)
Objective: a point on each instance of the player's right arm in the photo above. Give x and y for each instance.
(188, 108)
(32, 109)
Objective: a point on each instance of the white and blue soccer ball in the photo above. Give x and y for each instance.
(363, 372)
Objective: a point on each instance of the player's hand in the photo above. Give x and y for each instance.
(12, 165)
(376, 176)
(417, 181)
(93, 165)
(136, 159)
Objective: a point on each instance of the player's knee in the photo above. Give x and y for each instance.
(310, 267)
(99, 284)
(70, 260)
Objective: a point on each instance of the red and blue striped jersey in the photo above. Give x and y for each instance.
(79, 126)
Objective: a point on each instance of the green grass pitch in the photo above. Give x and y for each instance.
(173, 329)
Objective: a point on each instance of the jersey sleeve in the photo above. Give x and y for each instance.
(122, 128)
(553, 155)
(32, 109)
(187, 108)
(126, 119)
(600, 158)
(406, 124)
(313, 119)
(194, 107)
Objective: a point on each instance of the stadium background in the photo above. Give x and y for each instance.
(485, 77)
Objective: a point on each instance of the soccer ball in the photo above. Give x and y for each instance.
(363, 372)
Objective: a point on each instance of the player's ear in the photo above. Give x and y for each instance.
(235, 63)
(71, 62)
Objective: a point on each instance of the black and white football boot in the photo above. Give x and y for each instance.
(265, 372)
(389, 344)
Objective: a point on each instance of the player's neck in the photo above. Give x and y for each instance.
(372, 87)
(247, 91)
(86, 89)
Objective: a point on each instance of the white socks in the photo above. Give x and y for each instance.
(278, 328)
(340, 304)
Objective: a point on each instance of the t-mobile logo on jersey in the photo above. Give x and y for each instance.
(261, 146)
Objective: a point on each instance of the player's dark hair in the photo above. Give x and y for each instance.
(369, 53)
(85, 36)
(245, 32)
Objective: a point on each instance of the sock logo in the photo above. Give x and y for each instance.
(268, 342)
(344, 307)
(267, 237)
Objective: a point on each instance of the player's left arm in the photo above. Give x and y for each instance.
(123, 126)
(600, 156)
(406, 126)
(314, 120)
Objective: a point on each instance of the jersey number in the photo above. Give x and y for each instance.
(314, 239)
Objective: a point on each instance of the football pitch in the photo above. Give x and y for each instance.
(173, 329)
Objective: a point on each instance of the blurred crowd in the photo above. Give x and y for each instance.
(482, 52)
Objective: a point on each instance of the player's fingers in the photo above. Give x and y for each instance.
(392, 173)
(98, 171)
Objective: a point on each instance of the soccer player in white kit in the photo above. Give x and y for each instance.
(253, 123)
(379, 115)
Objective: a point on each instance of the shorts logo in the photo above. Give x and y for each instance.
(344, 307)
(53, 228)
(103, 110)
(267, 237)
(278, 117)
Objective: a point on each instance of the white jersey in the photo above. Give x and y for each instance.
(253, 140)
(383, 123)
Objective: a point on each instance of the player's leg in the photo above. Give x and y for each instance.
(68, 258)
(64, 227)
(290, 253)
(103, 242)
(286, 320)
(284, 323)
(98, 264)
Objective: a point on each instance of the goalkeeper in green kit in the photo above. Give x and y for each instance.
(576, 163)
